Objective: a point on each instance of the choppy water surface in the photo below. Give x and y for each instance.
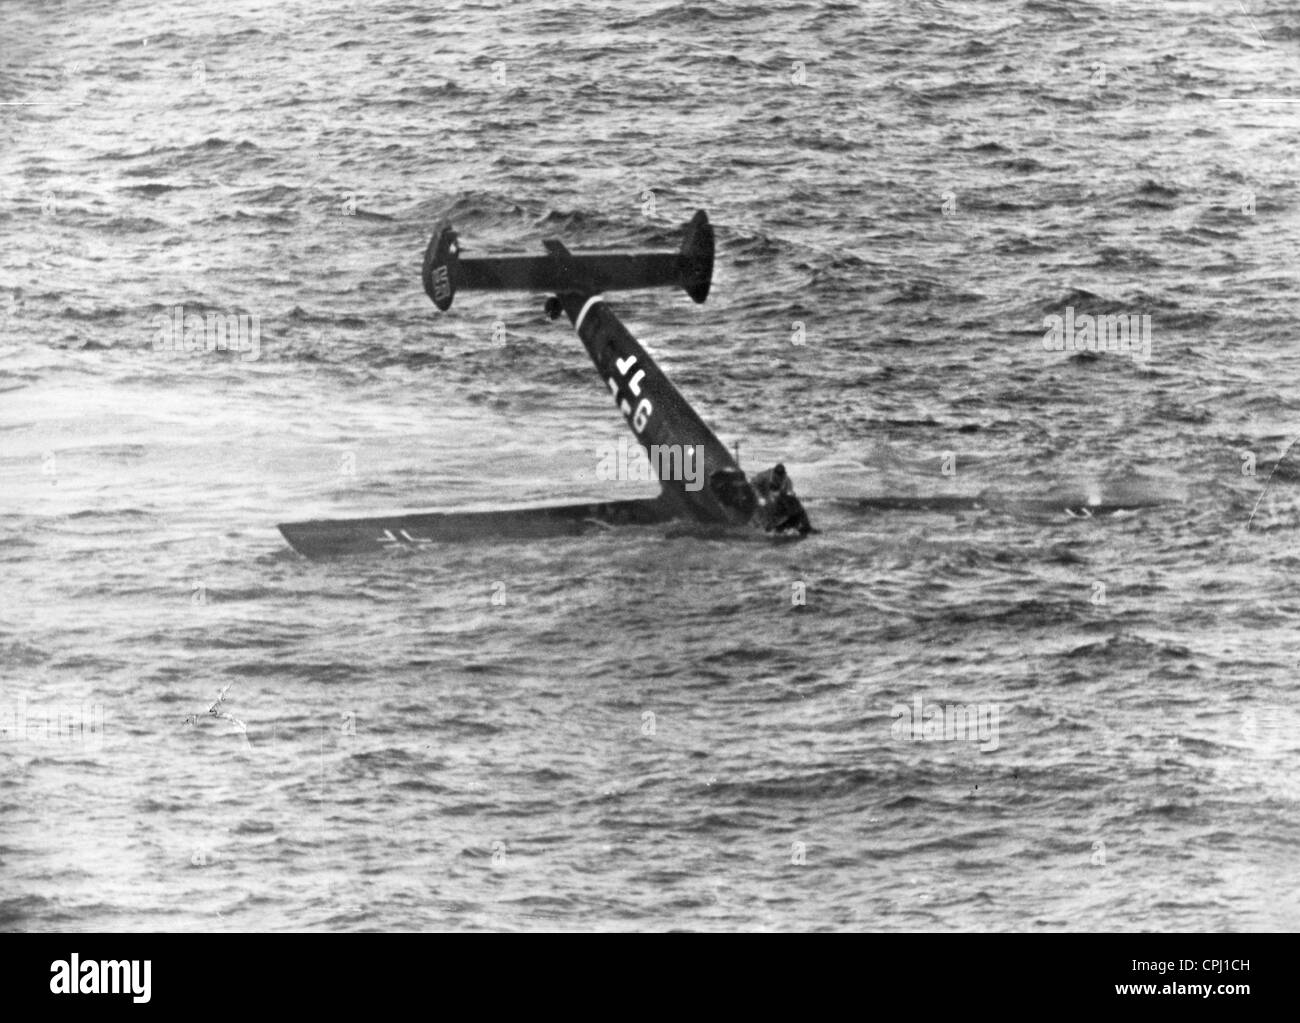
(643, 729)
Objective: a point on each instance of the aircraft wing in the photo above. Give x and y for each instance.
(330, 538)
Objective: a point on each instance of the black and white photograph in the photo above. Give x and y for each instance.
(649, 467)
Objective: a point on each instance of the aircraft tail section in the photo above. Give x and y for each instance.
(695, 468)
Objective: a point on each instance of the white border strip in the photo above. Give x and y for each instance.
(577, 324)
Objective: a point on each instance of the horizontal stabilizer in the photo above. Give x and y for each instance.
(446, 272)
